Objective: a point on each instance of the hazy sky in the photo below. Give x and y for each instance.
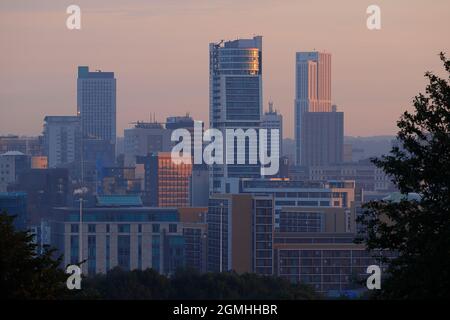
(158, 50)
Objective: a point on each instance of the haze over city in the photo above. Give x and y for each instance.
(158, 51)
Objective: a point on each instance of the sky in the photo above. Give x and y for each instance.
(158, 50)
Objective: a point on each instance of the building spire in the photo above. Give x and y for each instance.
(270, 106)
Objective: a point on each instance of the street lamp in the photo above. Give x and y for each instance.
(221, 243)
(80, 191)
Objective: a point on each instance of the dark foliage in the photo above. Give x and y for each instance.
(23, 273)
(418, 230)
(189, 284)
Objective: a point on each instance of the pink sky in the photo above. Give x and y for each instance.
(159, 52)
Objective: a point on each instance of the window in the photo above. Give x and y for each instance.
(155, 228)
(172, 227)
(124, 228)
(91, 228)
(74, 228)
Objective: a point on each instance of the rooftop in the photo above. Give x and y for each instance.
(119, 201)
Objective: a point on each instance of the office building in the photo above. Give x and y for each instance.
(96, 106)
(143, 139)
(12, 164)
(322, 138)
(96, 102)
(235, 88)
(316, 248)
(119, 232)
(312, 90)
(185, 122)
(166, 182)
(45, 189)
(31, 146)
(62, 140)
(180, 122)
(366, 175)
(293, 194)
(119, 180)
(273, 120)
(240, 233)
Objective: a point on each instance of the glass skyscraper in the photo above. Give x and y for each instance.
(312, 89)
(235, 84)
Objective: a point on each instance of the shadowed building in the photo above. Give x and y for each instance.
(322, 138)
(96, 106)
(119, 232)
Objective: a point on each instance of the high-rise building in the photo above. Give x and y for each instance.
(145, 138)
(166, 181)
(180, 122)
(322, 135)
(96, 106)
(273, 120)
(12, 164)
(61, 140)
(312, 89)
(240, 233)
(96, 102)
(235, 88)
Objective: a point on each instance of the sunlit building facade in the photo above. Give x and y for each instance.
(312, 90)
(166, 181)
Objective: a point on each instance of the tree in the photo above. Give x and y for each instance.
(23, 273)
(417, 230)
(189, 284)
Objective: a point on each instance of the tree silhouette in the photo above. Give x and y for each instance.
(189, 284)
(24, 274)
(417, 230)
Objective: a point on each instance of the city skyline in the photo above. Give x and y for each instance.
(362, 84)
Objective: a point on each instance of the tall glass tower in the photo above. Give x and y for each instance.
(235, 101)
(312, 89)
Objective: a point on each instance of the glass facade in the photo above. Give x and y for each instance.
(123, 251)
(263, 233)
(92, 253)
(158, 239)
(235, 99)
(166, 182)
(325, 270)
(217, 216)
(301, 221)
